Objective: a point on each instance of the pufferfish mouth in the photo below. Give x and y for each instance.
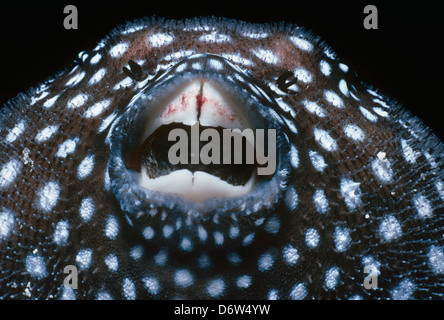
(203, 93)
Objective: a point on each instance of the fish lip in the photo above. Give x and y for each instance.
(144, 207)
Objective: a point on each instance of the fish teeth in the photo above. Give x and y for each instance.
(200, 101)
(197, 186)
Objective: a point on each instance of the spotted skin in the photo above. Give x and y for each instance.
(365, 185)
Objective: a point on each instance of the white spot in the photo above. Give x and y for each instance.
(343, 87)
(42, 95)
(342, 238)
(216, 288)
(354, 132)
(76, 79)
(216, 64)
(87, 209)
(382, 170)
(214, 37)
(436, 259)
(303, 75)
(9, 172)
(381, 112)
(248, 239)
(85, 167)
(284, 106)
(234, 232)
(325, 140)
(370, 116)
(178, 55)
(95, 59)
(204, 261)
(202, 233)
(372, 265)
(351, 193)
(409, 154)
(291, 255)
(15, 132)
(302, 44)
(68, 293)
(333, 98)
(218, 238)
(343, 67)
(136, 252)
(254, 35)
(148, 233)
(50, 102)
(160, 39)
(382, 103)
(272, 225)
(440, 187)
(317, 160)
(234, 258)
(423, 206)
(298, 292)
(118, 50)
(67, 147)
(403, 291)
(112, 262)
(107, 121)
(183, 278)
(325, 68)
(112, 228)
(237, 58)
(320, 201)
(312, 238)
(133, 29)
(331, 278)
(243, 282)
(266, 55)
(291, 125)
(167, 231)
(161, 257)
(314, 108)
(6, 224)
(186, 244)
(390, 228)
(61, 233)
(36, 266)
(46, 133)
(126, 82)
(265, 262)
(103, 295)
(97, 109)
(129, 289)
(48, 196)
(151, 284)
(273, 294)
(97, 76)
(78, 101)
(84, 258)
(291, 198)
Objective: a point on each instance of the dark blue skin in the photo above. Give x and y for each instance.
(359, 183)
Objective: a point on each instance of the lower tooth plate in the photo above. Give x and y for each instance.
(197, 186)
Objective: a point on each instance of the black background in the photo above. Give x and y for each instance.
(404, 57)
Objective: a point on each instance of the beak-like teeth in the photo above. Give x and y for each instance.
(200, 100)
(204, 101)
(197, 186)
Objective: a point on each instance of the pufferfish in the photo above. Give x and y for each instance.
(353, 209)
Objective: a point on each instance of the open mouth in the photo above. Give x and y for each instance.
(198, 143)
(196, 109)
